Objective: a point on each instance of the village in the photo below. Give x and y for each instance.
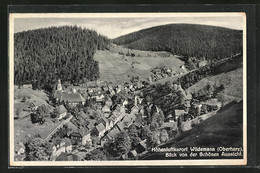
(93, 115)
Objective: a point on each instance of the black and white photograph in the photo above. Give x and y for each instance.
(127, 89)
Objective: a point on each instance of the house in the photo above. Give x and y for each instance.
(80, 155)
(84, 115)
(58, 147)
(141, 147)
(169, 125)
(76, 138)
(179, 113)
(134, 110)
(90, 124)
(170, 118)
(19, 148)
(112, 120)
(68, 145)
(111, 124)
(105, 122)
(121, 126)
(99, 130)
(106, 109)
(132, 154)
(125, 102)
(113, 133)
(127, 121)
(213, 103)
(202, 64)
(34, 105)
(116, 115)
(157, 71)
(124, 156)
(105, 88)
(108, 102)
(100, 97)
(85, 136)
(63, 112)
(72, 99)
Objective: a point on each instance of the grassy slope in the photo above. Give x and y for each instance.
(32, 96)
(24, 127)
(118, 68)
(223, 129)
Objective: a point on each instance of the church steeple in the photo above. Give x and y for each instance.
(59, 87)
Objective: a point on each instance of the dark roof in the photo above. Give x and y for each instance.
(76, 134)
(72, 97)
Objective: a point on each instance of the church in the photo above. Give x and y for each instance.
(72, 98)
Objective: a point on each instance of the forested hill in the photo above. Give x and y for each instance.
(42, 56)
(187, 40)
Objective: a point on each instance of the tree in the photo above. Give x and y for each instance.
(42, 110)
(123, 143)
(221, 98)
(23, 100)
(153, 139)
(144, 132)
(37, 118)
(154, 126)
(164, 136)
(96, 154)
(43, 55)
(133, 131)
(56, 112)
(38, 150)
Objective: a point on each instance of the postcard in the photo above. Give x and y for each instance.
(127, 89)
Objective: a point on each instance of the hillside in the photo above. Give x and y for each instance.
(21, 108)
(232, 81)
(187, 40)
(224, 129)
(118, 68)
(43, 55)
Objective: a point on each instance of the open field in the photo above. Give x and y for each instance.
(120, 68)
(24, 129)
(32, 96)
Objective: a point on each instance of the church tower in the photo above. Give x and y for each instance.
(59, 87)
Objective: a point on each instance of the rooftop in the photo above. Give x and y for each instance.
(100, 127)
(72, 97)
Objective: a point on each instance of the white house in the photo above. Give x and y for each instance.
(63, 112)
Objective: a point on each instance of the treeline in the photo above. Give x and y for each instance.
(187, 40)
(42, 56)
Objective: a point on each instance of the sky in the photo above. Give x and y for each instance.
(115, 27)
